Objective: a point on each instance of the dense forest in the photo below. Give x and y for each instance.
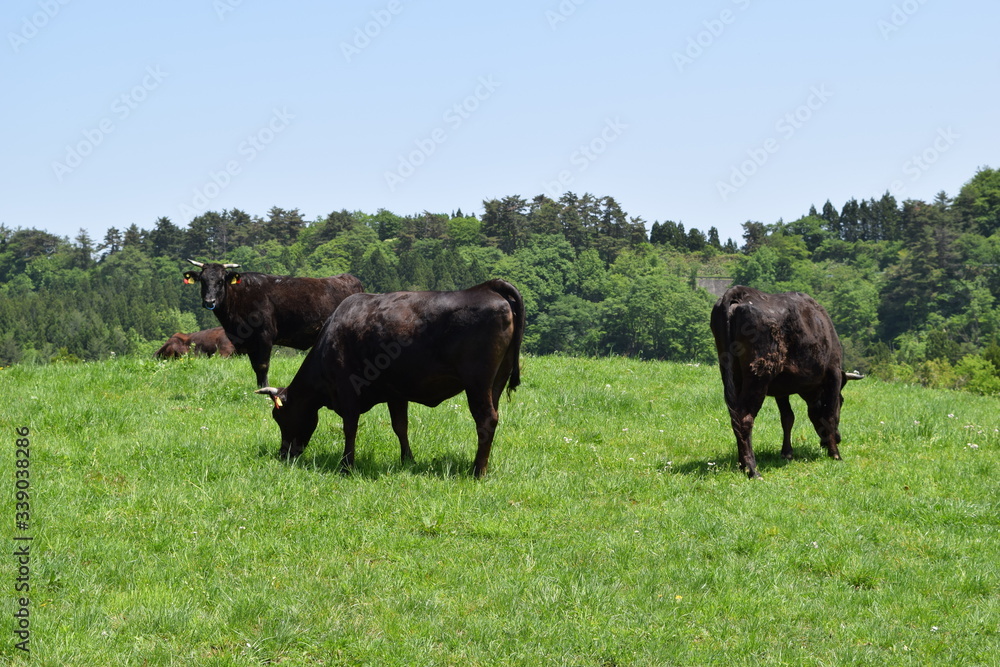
(912, 286)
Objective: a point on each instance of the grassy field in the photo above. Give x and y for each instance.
(613, 528)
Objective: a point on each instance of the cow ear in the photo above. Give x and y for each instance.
(234, 278)
(191, 277)
(273, 393)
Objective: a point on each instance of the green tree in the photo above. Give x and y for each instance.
(83, 250)
(465, 231)
(978, 202)
(758, 270)
(378, 269)
(568, 326)
(754, 235)
(505, 223)
(166, 239)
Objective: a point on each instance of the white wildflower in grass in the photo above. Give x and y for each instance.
(951, 415)
(973, 445)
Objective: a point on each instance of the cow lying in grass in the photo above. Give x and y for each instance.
(206, 342)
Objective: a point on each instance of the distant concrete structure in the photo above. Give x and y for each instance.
(714, 285)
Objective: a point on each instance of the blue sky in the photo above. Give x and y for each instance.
(709, 114)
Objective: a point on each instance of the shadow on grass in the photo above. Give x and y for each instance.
(766, 460)
(444, 467)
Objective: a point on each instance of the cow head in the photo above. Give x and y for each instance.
(295, 419)
(213, 279)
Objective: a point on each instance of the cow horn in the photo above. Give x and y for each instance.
(273, 393)
(854, 376)
(230, 266)
(198, 264)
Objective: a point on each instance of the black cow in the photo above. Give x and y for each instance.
(259, 311)
(778, 345)
(206, 342)
(399, 347)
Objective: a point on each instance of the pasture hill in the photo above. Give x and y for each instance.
(614, 527)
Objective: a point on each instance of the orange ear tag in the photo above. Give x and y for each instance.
(188, 281)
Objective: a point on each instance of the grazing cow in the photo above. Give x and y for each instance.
(407, 346)
(778, 345)
(207, 342)
(259, 311)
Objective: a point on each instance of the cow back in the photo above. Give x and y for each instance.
(286, 310)
(772, 335)
(420, 346)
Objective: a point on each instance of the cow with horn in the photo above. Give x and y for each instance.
(259, 310)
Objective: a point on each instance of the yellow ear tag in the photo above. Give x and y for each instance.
(235, 280)
(277, 402)
(188, 281)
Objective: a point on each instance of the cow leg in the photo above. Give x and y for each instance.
(260, 360)
(397, 413)
(485, 416)
(742, 418)
(350, 436)
(787, 421)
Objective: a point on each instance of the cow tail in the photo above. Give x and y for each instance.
(722, 330)
(513, 297)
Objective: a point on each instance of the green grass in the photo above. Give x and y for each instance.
(613, 528)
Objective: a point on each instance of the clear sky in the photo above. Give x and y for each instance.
(709, 113)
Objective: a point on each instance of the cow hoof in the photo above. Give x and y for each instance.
(787, 457)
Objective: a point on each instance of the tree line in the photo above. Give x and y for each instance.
(911, 286)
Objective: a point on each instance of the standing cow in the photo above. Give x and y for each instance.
(399, 347)
(206, 342)
(778, 345)
(259, 311)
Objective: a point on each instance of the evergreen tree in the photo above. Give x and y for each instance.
(112, 242)
(832, 218)
(134, 237)
(166, 239)
(754, 234)
(83, 250)
(978, 202)
(850, 221)
(713, 238)
(505, 223)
